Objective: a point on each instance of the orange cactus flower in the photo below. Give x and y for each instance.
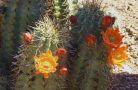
(27, 38)
(112, 38)
(90, 39)
(107, 21)
(61, 52)
(46, 63)
(63, 71)
(118, 56)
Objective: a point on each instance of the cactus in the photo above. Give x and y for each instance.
(60, 9)
(95, 71)
(90, 69)
(18, 15)
(7, 32)
(79, 67)
(46, 37)
(3, 83)
(3, 77)
(2, 11)
(88, 19)
(86, 74)
(28, 12)
(3, 80)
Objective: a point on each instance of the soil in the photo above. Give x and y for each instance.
(124, 82)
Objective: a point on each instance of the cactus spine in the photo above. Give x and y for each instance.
(61, 10)
(87, 74)
(19, 14)
(46, 37)
(96, 71)
(28, 12)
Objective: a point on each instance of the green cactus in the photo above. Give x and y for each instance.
(88, 19)
(7, 31)
(3, 79)
(3, 83)
(28, 12)
(89, 70)
(46, 37)
(79, 67)
(18, 16)
(60, 10)
(19, 13)
(96, 71)
(1, 25)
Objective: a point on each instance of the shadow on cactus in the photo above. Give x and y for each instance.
(37, 62)
(18, 16)
(3, 81)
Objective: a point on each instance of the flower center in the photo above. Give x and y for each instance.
(117, 55)
(47, 65)
(112, 38)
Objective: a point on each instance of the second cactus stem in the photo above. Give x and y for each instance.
(89, 69)
(60, 10)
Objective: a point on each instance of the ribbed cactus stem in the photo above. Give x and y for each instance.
(21, 21)
(86, 67)
(20, 14)
(28, 11)
(61, 10)
(80, 64)
(8, 31)
(88, 19)
(90, 69)
(3, 83)
(96, 72)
